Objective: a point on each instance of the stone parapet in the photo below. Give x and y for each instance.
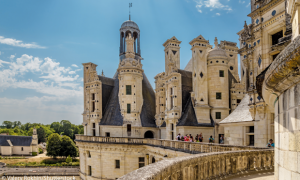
(188, 147)
(206, 166)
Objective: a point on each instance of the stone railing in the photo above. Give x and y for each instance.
(188, 147)
(206, 166)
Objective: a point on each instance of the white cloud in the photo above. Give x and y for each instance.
(60, 92)
(218, 14)
(12, 57)
(74, 65)
(3, 62)
(212, 4)
(19, 43)
(248, 5)
(241, 2)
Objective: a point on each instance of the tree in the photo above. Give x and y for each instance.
(41, 135)
(68, 147)
(54, 145)
(66, 128)
(56, 126)
(8, 124)
(17, 124)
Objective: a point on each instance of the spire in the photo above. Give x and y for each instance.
(216, 42)
(102, 73)
(130, 5)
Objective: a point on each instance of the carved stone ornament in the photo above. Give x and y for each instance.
(260, 109)
(247, 32)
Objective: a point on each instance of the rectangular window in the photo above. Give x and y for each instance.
(251, 129)
(88, 154)
(221, 73)
(276, 37)
(128, 89)
(128, 108)
(93, 96)
(94, 132)
(218, 115)
(128, 127)
(21, 148)
(107, 134)
(171, 92)
(94, 125)
(218, 95)
(93, 108)
(172, 126)
(238, 101)
(141, 162)
(251, 140)
(90, 170)
(117, 164)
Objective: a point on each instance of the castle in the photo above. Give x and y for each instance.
(186, 101)
(207, 97)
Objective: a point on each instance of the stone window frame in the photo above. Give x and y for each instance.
(221, 73)
(218, 95)
(218, 115)
(117, 164)
(128, 90)
(89, 170)
(141, 162)
(128, 108)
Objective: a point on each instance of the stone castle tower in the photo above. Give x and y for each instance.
(122, 106)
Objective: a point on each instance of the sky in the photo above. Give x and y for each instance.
(44, 43)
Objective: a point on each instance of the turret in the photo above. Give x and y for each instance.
(172, 55)
(200, 48)
(130, 85)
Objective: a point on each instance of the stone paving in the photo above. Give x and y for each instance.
(258, 176)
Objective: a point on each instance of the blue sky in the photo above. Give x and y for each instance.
(44, 43)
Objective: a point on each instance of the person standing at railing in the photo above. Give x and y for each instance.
(191, 138)
(211, 140)
(197, 138)
(271, 144)
(182, 138)
(178, 137)
(221, 139)
(200, 138)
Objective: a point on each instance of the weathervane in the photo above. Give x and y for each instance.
(130, 5)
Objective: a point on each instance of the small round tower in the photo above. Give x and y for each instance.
(130, 27)
(218, 84)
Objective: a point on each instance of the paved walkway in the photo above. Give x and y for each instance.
(258, 176)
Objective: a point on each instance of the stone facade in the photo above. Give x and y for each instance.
(260, 43)
(196, 99)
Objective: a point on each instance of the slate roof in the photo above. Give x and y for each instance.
(15, 140)
(112, 111)
(241, 113)
(188, 117)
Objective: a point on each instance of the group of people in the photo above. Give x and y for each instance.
(198, 138)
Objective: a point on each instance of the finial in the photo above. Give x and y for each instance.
(216, 42)
(102, 73)
(130, 5)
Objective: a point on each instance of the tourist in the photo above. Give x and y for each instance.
(221, 139)
(191, 138)
(186, 138)
(197, 138)
(211, 140)
(200, 138)
(178, 137)
(182, 138)
(270, 144)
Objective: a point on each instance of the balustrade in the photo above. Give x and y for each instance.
(206, 166)
(189, 147)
